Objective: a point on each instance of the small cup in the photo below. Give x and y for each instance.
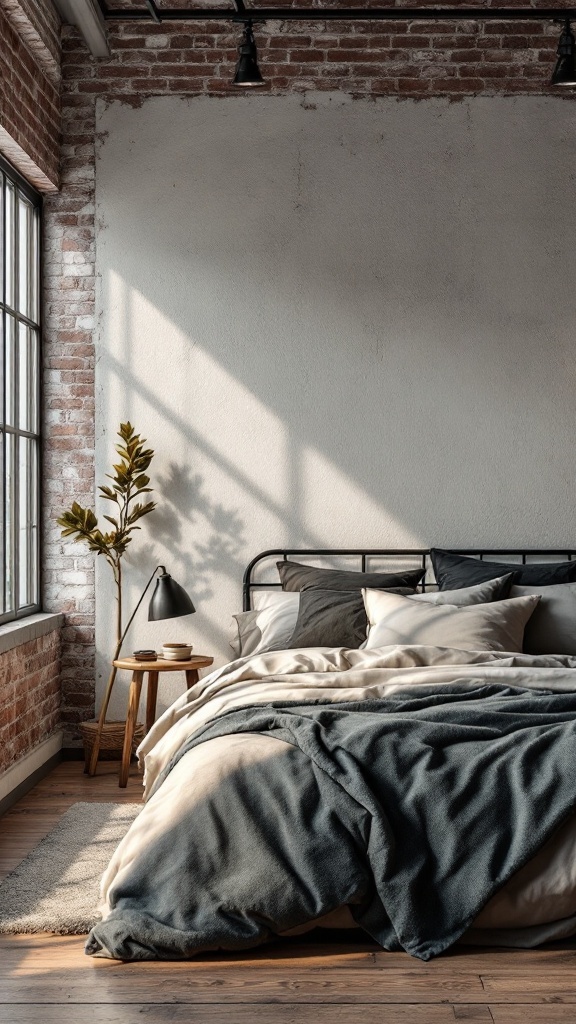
(176, 652)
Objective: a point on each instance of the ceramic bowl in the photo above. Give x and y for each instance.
(176, 652)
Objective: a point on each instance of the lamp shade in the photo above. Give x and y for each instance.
(565, 71)
(247, 70)
(169, 600)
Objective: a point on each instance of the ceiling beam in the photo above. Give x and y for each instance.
(337, 13)
(88, 18)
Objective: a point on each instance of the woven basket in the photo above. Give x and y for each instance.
(111, 741)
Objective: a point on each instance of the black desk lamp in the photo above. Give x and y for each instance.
(169, 601)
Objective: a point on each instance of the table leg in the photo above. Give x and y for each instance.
(131, 718)
(151, 696)
(191, 677)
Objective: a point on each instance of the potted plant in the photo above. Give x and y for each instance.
(129, 484)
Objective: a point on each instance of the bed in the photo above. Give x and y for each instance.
(393, 748)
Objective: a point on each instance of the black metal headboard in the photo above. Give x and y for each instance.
(392, 558)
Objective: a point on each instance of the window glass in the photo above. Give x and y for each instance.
(9, 242)
(9, 370)
(19, 395)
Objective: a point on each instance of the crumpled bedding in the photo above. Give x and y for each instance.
(223, 767)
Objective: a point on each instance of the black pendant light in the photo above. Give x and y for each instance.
(247, 71)
(565, 70)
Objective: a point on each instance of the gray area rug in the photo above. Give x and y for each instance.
(56, 887)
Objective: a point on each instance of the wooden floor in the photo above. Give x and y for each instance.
(46, 979)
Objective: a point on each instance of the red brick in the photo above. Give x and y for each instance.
(29, 707)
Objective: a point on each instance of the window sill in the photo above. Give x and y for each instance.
(13, 634)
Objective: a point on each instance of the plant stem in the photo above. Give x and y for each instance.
(118, 603)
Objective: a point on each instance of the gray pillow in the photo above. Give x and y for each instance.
(331, 618)
(453, 571)
(552, 627)
(269, 625)
(482, 593)
(295, 577)
(498, 626)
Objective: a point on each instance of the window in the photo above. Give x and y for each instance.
(20, 208)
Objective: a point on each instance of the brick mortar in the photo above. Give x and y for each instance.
(403, 59)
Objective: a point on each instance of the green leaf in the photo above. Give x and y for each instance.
(126, 430)
(127, 481)
(140, 510)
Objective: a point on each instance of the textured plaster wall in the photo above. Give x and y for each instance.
(338, 322)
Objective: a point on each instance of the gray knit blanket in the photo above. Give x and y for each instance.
(413, 810)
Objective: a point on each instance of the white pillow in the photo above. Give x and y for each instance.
(480, 593)
(270, 623)
(498, 626)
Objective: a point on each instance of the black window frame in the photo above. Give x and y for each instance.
(13, 435)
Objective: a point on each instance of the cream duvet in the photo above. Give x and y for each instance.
(342, 786)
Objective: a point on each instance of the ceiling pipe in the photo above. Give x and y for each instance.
(88, 17)
(312, 14)
(153, 12)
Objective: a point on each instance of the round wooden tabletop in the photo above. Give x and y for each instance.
(163, 664)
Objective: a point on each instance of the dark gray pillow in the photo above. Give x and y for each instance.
(332, 618)
(295, 577)
(454, 571)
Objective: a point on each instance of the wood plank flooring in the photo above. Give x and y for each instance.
(48, 978)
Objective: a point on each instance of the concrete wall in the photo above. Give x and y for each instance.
(338, 322)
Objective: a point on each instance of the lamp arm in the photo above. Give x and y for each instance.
(111, 679)
(143, 595)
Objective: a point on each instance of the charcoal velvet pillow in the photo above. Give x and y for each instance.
(332, 618)
(481, 593)
(295, 577)
(455, 571)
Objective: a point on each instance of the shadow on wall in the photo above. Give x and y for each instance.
(343, 339)
(185, 501)
(184, 511)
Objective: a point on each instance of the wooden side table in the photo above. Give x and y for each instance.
(153, 668)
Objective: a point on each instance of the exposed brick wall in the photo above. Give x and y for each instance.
(38, 24)
(30, 140)
(363, 58)
(29, 696)
(29, 93)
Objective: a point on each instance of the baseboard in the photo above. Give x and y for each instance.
(72, 753)
(22, 776)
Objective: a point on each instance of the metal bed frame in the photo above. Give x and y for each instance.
(365, 555)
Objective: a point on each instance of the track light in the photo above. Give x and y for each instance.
(247, 70)
(565, 70)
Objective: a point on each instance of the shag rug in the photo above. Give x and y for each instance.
(56, 887)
